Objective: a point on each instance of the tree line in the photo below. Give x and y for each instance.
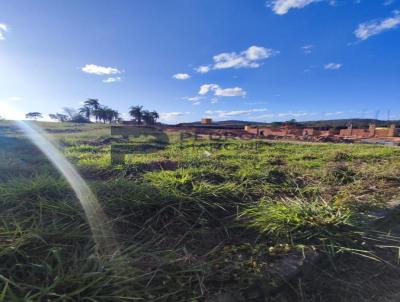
(93, 110)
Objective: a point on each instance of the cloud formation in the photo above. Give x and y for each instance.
(222, 113)
(193, 98)
(333, 66)
(181, 76)
(279, 116)
(292, 114)
(171, 116)
(235, 91)
(281, 7)
(307, 49)
(388, 2)
(218, 91)
(3, 29)
(372, 28)
(100, 70)
(112, 80)
(249, 58)
(203, 69)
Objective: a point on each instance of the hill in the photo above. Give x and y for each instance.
(323, 124)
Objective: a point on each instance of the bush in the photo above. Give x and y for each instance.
(342, 174)
(79, 119)
(342, 156)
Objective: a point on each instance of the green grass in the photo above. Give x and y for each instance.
(193, 220)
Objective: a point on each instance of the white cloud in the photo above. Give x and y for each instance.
(181, 76)
(193, 98)
(196, 100)
(3, 29)
(333, 66)
(307, 49)
(171, 116)
(202, 69)
(214, 101)
(235, 91)
(333, 113)
(112, 79)
(218, 91)
(204, 89)
(264, 116)
(100, 70)
(222, 113)
(388, 2)
(281, 7)
(292, 114)
(249, 58)
(281, 116)
(368, 29)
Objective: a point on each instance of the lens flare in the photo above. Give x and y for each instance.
(98, 222)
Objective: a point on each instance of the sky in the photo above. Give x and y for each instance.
(253, 60)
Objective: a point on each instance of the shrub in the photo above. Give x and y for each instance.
(342, 174)
(341, 156)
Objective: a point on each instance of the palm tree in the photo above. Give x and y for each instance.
(147, 117)
(89, 107)
(115, 116)
(136, 113)
(108, 114)
(97, 114)
(103, 114)
(155, 116)
(92, 103)
(86, 111)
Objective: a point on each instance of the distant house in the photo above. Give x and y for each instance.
(206, 121)
(372, 131)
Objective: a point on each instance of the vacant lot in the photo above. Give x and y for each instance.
(200, 221)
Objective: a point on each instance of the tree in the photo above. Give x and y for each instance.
(70, 112)
(136, 113)
(106, 114)
(147, 117)
(33, 115)
(59, 117)
(92, 103)
(97, 114)
(77, 118)
(90, 106)
(115, 116)
(155, 116)
(85, 111)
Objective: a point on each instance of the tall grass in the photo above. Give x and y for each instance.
(295, 220)
(193, 226)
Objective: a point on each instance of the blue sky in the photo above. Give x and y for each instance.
(260, 60)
